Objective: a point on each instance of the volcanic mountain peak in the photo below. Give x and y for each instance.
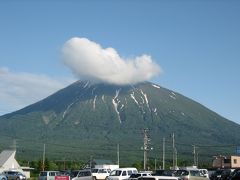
(97, 115)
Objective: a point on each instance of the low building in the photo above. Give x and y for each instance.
(8, 163)
(106, 164)
(226, 161)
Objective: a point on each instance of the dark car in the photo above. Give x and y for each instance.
(235, 175)
(134, 176)
(217, 174)
(162, 172)
(226, 174)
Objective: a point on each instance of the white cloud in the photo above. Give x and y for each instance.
(19, 89)
(89, 61)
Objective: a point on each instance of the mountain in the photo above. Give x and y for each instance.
(87, 120)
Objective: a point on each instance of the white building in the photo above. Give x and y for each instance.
(8, 162)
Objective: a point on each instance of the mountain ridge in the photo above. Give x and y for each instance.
(103, 115)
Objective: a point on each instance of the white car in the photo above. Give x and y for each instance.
(190, 174)
(100, 173)
(48, 175)
(122, 173)
(158, 178)
(140, 174)
(204, 172)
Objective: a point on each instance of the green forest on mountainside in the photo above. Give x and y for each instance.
(84, 120)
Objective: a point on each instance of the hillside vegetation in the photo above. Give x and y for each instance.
(84, 120)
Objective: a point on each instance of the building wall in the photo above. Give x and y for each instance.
(235, 161)
(226, 162)
(218, 162)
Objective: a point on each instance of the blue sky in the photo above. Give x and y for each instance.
(195, 42)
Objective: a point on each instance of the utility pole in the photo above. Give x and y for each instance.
(163, 154)
(64, 163)
(197, 159)
(43, 161)
(118, 154)
(90, 163)
(14, 146)
(173, 151)
(155, 164)
(146, 141)
(176, 158)
(194, 155)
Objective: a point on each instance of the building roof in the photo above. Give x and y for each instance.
(5, 155)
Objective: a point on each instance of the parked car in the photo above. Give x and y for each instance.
(48, 175)
(3, 177)
(204, 172)
(217, 174)
(235, 175)
(190, 175)
(14, 175)
(83, 175)
(100, 173)
(136, 176)
(158, 178)
(164, 172)
(226, 173)
(121, 173)
(74, 173)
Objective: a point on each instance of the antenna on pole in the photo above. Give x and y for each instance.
(173, 151)
(145, 147)
(43, 162)
(14, 145)
(118, 154)
(195, 156)
(163, 154)
(176, 158)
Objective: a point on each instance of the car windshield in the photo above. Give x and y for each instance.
(218, 172)
(135, 175)
(164, 172)
(94, 170)
(181, 173)
(194, 173)
(74, 173)
(116, 173)
(43, 173)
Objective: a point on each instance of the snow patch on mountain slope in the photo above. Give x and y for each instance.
(67, 110)
(103, 98)
(93, 90)
(86, 84)
(155, 110)
(172, 95)
(133, 97)
(158, 87)
(94, 102)
(76, 122)
(116, 102)
(146, 99)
